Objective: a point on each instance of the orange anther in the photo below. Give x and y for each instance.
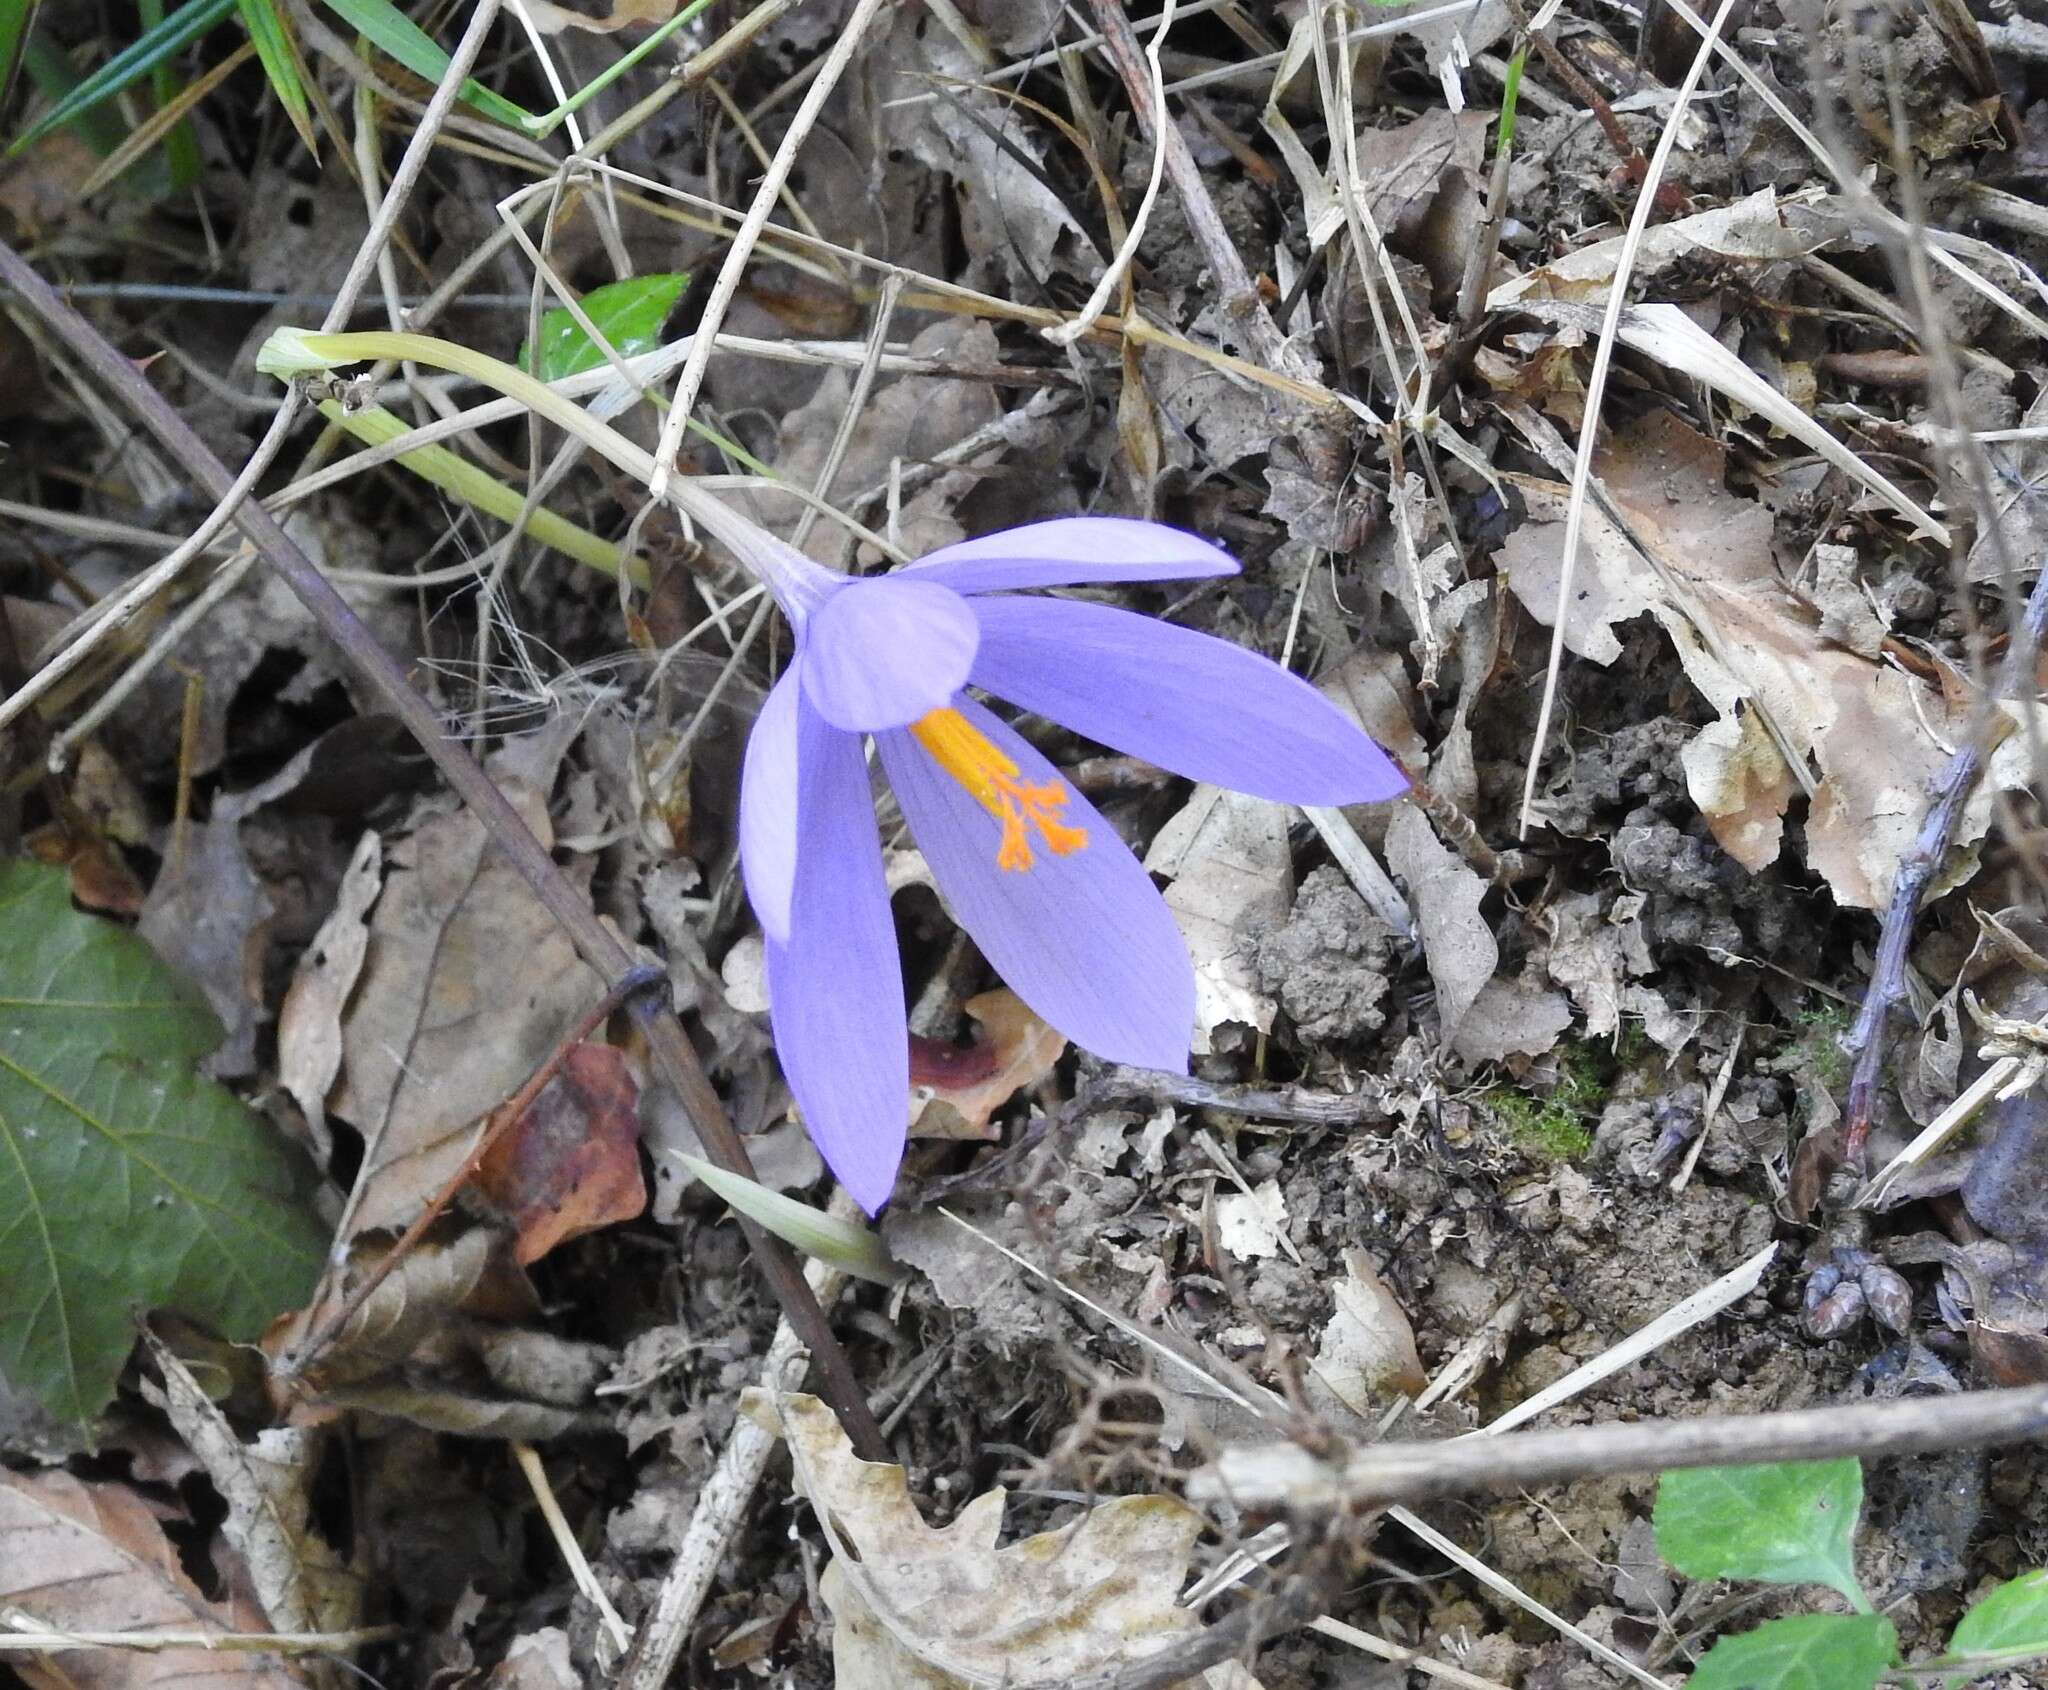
(992, 780)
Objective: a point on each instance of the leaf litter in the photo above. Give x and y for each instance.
(1465, 1107)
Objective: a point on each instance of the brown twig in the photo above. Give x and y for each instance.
(500, 1121)
(1269, 1474)
(673, 1053)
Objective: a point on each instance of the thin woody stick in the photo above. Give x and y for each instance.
(1414, 1472)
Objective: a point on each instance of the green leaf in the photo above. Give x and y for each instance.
(629, 314)
(17, 18)
(1806, 1652)
(101, 128)
(390, 31)
(141, 56)
(181, 145)
(847, 1245)
(1788, 1523)
(279, 57)
(2012, 1617)
(127, 1182)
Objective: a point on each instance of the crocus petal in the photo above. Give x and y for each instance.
(1197, 705)
(835, 986)
(768, 806)
(881, 653)
(1071, 550)
(1084, 938)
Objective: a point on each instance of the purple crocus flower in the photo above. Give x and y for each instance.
(1056, 901)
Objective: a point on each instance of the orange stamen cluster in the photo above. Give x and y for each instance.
(993, 781)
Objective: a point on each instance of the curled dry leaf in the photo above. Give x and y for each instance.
(954, 1093)
(1758, 230)
(309, 1025)
(1446, 893)
(1368, 1348)
(425, 1290)
(1233, 879)
(941, 1608)
(299, 1577)
(209, 917)
(572, 1162)
(93, 1557)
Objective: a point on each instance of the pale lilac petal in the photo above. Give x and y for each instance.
(880, 653)
(1071, 550)
(835, 986)
(1197, 705)
(1084, 939)
(768, 807)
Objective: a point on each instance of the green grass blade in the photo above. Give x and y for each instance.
(279, 57)
(17, 18)
(134, 61)
(847, 1245)
(181, 146)
(54, 75)
(391, 32)
(373, 425)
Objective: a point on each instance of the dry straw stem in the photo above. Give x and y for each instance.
(1279, 1475)
(25, 1637)
(673, 1053)
(742, 249)
(722, 1503)
(1596, 390)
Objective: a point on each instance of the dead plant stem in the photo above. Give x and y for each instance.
(737, 256)
(1416, 1472)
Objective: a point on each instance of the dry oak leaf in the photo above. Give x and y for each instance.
(467, 987)
(92, 1558)
(572, 1163)
(940, 1608)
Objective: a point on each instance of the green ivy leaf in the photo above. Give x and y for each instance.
(629, 314)
(127, 1182)
(1787, 1523)
(1806, 1652)
(2014, 1616)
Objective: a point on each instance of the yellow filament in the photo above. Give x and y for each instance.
(991, 779)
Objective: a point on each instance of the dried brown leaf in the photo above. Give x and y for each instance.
(1445, 893)
(309, 1024)
(1756, 650)
(78, 1556)
(943, 1607)
(1368, 1348)
(468, 985)
(572, 1162)
(1015, 1050)
(299, 1577)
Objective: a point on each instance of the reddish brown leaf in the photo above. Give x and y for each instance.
(572, 1164)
